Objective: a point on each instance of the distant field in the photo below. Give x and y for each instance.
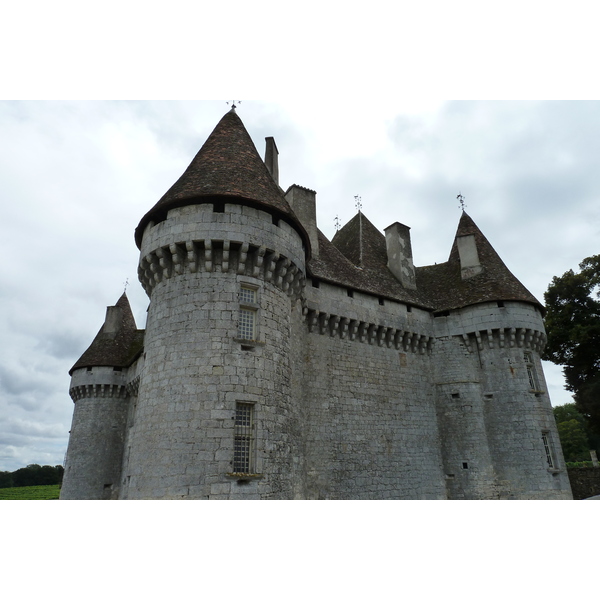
(34, 492)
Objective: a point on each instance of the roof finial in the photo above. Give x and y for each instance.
(336, 223)
(358, 203)
(461, 199)
(126, 284)
(233, 105)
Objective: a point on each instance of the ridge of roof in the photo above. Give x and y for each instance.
(336, 264)
(227, 165)
(117, 348)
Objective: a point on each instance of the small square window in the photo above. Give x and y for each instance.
(247, 295)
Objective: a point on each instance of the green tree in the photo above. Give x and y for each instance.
(573, 440)
(573, 327)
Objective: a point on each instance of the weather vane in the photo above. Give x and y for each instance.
(358, 203)
(126, 284)
(461, 199)
(336, 223)
(233, 103)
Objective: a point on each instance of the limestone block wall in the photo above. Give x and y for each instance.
(196, 366)
(500, 346)
(94, 454)
(468, 466)
(367, 401)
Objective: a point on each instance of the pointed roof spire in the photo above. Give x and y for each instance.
(228, 165)
(492, 280)
(119, 341)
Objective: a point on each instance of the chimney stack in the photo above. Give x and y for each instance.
(271, 158)
(399, 252)
(469, 257)
(303, 202)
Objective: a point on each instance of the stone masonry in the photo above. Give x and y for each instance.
(277, 364)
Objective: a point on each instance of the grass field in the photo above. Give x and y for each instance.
(34, 492)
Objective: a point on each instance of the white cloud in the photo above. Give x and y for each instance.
(76, 177)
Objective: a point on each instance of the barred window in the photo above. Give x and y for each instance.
(548, 449)
(243, 438)
(247, 295)
(534, 383)
(248, 313)
(247, 324)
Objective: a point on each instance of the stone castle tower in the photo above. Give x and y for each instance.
(278, 364)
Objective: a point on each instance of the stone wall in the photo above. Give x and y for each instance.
(370, 429)
(94, 454)
(585, 482)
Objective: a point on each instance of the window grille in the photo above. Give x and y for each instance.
(247, 295)
(243, 438)
(247, 316)
(548, 450)
(531, 372)
(246, 326)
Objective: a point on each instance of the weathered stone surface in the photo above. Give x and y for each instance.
(361, 380)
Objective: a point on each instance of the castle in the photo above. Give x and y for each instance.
(277, 364)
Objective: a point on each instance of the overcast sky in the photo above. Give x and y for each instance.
(76, 177)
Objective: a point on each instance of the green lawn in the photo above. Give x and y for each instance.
(34, 492)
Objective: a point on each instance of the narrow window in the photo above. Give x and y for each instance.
(243, 429)
(248, 310)
(534, 384)
(548, 449)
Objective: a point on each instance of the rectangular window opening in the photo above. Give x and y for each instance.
(248, 313)
(381, 302)
(548, 449)
(534, 383)
(350, 293)
(243, 438)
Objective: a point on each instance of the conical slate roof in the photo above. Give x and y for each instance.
(118, 343)
(446, 289)
(227, 166)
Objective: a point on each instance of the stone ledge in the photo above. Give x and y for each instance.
(244, 476)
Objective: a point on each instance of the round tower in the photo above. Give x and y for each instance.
(222, 258)
(499, 435)
(100, 391)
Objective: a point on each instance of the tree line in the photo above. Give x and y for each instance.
(32, 475)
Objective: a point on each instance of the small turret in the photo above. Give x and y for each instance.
(100, 392)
